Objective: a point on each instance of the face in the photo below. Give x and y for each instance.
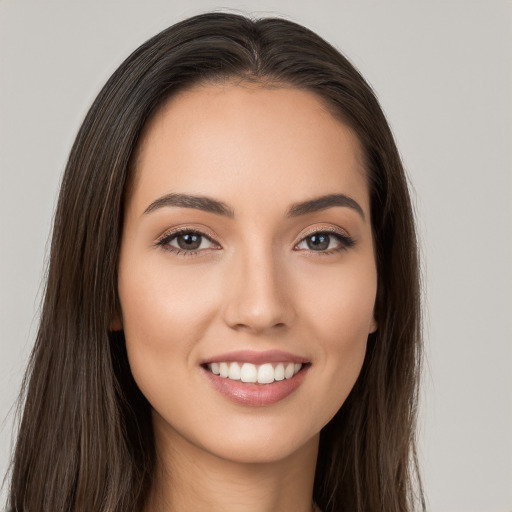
(247, 276)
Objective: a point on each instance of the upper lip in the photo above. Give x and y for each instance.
(256, 357)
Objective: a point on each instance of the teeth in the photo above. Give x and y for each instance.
(234, 371)
(288, 371)
(248, 372)
(224, 369)
(279, 372)
(265, 374)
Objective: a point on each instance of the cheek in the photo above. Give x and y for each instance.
(340, 312)
(341, 300)
(160, 303)
(165, 312)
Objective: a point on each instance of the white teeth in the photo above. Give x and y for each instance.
(279, 372)
(265, 374)
(262, 374)
(223, 369)
(249, 373)
(234, 371)
(288, 371)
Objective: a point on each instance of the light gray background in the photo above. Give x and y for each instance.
(443, 73)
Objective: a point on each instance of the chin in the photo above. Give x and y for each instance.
(246, 441)
(263, 449)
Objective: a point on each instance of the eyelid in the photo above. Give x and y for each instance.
(177, 230)
(324, 229)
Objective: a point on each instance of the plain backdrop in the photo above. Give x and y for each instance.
(443, 73)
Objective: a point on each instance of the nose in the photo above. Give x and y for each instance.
(259, 296)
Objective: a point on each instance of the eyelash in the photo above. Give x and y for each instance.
(345, 241)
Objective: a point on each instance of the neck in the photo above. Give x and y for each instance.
(188, 478)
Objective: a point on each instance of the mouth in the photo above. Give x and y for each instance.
(254, 378)
(266, 373)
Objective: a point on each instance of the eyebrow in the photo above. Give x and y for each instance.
(204, 203)
(211, 205)
(324, 202)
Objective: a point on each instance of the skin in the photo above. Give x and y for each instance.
(257, 285)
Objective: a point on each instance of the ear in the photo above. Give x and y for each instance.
(116, 324)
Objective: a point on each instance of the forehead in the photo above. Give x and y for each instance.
(236, 140)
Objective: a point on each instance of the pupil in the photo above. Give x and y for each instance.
(318, 242)
(189, 241)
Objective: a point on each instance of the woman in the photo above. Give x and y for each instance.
(231, 319)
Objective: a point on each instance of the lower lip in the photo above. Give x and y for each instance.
(256, 395)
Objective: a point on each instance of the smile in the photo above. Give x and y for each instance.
(256, 378)
(265, 373)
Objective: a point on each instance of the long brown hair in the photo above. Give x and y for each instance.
(85, 441)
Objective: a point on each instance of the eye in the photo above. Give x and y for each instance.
(325, 242)
(187, 242)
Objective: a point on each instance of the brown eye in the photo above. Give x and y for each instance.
(325, 242)
(318, 242)
(187, 242)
